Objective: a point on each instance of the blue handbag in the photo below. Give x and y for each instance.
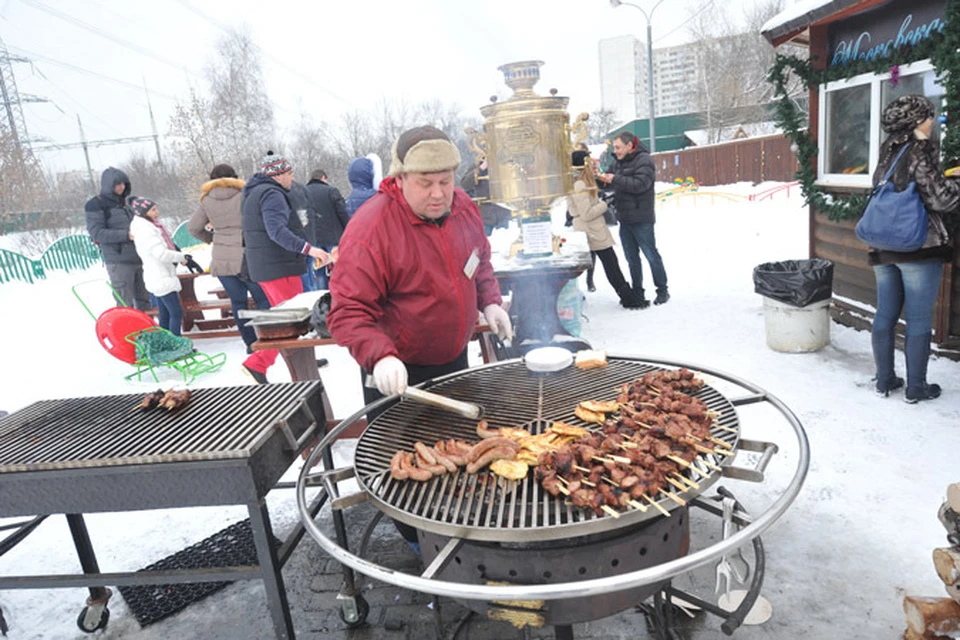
(894, 220)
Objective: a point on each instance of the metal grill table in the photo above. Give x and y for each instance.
(227, 446)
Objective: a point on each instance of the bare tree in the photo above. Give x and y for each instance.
(601, 123)
(239, 108)
(732, 61)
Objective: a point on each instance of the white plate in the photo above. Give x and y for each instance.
(548, 359)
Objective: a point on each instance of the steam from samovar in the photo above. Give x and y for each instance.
(526, 141)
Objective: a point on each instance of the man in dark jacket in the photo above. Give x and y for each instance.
(360, 175)
(329, 220)
(303, 207)
(275, 251)
(632, 178)
(108, 223)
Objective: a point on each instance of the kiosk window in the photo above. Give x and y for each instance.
(848, 124)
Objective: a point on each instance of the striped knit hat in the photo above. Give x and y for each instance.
(274, 165)
(140, 206)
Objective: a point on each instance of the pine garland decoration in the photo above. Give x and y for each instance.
(943, 50)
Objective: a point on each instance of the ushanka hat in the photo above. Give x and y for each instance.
(140, 206)
(274, 165)
(423, 149)
(905, 113)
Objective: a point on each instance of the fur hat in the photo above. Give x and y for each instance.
(905, 113)
(140, 206)
(274, 165)
(423, 149)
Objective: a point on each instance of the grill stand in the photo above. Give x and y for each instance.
(663, 573)
(243, 480)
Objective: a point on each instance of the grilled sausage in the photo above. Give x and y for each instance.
(420, 475)
(425, 452)
(397, 472)
(445, 461)
(485, 432)
(496, 453)
(485, 445)
(434, 469)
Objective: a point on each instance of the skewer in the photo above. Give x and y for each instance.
(710, 465)
(677, 484)
(680, 501)
(638, 505)
(688, 481)
(656, 505)
(613, 458)
(581, 469)
(724, 452)
(610, 511)
(720, 443)
(680, 461)
(563, 490)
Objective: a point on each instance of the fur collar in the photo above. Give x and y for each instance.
(210, 185)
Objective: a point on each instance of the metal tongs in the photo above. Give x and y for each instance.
(465, 409)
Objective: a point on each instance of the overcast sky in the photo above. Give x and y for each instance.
(322, 58)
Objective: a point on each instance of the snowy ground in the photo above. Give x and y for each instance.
(857, 539)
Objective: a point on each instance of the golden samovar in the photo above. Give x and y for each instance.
(527, 144)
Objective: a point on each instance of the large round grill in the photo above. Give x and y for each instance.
(484, 507)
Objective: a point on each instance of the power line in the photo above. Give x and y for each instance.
(73, 67)
(219, 25)
(685, 22)
(103, 33)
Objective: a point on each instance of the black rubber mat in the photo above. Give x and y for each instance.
(230, 547)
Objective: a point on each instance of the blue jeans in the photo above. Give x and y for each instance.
(637, 237)
(237, 289)
(170, 312)
(910, 287)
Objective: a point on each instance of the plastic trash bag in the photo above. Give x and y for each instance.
(795, 282)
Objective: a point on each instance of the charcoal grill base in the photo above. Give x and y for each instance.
(636, 548)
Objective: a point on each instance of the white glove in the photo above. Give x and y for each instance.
(390, 375)
(499, 321)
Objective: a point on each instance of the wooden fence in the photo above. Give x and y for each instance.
(750, 160)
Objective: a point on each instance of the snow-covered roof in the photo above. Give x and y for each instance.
(701, 137)
(799, 16)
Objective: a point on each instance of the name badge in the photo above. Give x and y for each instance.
(472, 262)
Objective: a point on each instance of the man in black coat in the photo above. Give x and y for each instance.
(329, 220)
(108, 223)
(632, 178)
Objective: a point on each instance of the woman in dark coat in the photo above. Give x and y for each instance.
(909, 282)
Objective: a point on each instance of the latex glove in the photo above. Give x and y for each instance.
(390, 375)
(499, 321)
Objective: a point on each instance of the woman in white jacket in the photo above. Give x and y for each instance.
(587, 210)
(160, 258)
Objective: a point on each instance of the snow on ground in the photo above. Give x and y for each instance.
(857, 539)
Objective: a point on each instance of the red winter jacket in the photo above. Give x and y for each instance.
(399, 287)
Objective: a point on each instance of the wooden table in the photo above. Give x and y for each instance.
(195, 325)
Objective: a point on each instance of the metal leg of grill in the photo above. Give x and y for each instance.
(563, 632)
(270, 570)
(88, 559)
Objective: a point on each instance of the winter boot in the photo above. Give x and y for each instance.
(590, 286)
(630, 299)
(887, 380)
(662, 297)
(917, 350)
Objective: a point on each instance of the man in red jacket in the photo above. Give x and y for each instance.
(414, 270)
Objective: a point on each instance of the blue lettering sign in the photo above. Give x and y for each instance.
(860, 48)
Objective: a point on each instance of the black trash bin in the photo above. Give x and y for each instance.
(796, 303)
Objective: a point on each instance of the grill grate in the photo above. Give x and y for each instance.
(482, 506)
(217, 423)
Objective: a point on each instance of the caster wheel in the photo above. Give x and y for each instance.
(89, 626)
(363, 610)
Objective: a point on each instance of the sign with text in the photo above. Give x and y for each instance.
(880, 31)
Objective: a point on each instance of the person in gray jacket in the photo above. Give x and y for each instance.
(108, 223)
(217, 221)
(632, 178)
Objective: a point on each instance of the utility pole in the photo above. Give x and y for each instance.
(86, 154)
(153, 124)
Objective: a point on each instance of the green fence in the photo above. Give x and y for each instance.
(66, 254)
(183, 239)
(70, 253)
(14, 266)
